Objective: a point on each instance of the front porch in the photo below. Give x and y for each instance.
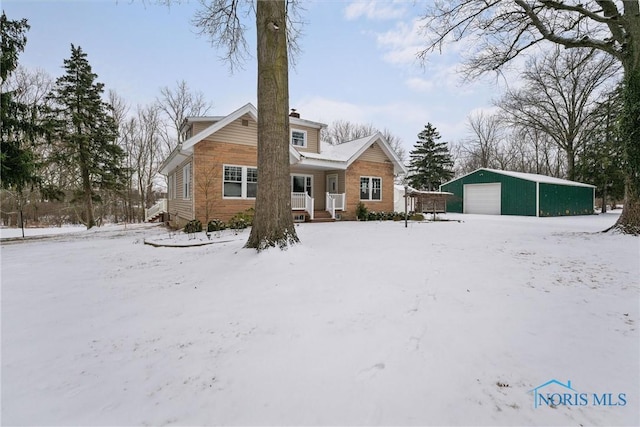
(302, 202)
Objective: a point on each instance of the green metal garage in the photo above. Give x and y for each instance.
(497, 192)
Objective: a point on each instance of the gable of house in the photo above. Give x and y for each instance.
(222, 157)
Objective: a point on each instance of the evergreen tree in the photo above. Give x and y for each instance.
(601, 163)
(83, 133)
(17, 130)
(430, 161)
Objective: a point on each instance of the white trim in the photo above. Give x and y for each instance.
(305, 181)
(186, 182)
(243, 182)
(484, 187)
(341, 156)
(543, 179)
(304, 137)
(245, 109)
(537, 199)
(371, 178)
(326, 184)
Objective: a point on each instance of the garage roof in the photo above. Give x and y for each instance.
(534, 177)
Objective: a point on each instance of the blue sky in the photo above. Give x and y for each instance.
(358, 61)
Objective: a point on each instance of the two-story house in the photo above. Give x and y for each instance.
(213, 173)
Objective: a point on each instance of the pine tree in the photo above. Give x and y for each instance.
(84, 133)
(430, 161)
(17, 161)
(601, 163)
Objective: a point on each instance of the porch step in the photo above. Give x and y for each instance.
(318, 216)
(321, 216)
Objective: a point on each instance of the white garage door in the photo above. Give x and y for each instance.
(482, 199)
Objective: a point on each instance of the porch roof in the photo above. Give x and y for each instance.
(341, 156)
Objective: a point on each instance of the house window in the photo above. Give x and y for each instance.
(186, 181)
(370, 188)
(298, 138)
(171, 184)
(252, 182)
(302, 184)
(240, 182)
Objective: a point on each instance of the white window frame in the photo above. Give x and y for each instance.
(304, 138)
(370, 187)
(310, 177)
(171, 193)
(186, 181)
(243, 182)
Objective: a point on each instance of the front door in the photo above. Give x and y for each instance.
(302, 184)
(332, 183)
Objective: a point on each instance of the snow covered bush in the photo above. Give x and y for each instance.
(193, 226)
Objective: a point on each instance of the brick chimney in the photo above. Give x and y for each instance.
(294, 113)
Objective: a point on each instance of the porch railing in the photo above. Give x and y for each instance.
(158, 208)
(302, 202)
(334, 202)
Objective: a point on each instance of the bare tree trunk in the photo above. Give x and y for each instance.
(273, 222)
(629, 221)
(86, 183)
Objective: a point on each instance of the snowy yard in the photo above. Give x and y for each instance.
(449, 323)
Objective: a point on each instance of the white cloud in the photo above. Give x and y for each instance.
(420, 85)
(374, 10)
(402, 43)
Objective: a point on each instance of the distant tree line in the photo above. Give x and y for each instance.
(563, 121)
(72, 153)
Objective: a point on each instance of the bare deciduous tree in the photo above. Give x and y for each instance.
(559, 96)
(177, 104)
(501, 31)
(341, 131)
(485, 136)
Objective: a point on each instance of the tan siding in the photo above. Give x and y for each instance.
(235, 133)
(312, 138)
(374, 154)
(200, 126)
(210, 157)
(364, 168)
(319, 183)
(181, 209)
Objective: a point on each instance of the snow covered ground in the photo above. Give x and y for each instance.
(447, 323)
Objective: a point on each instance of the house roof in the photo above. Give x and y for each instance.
(185, 149)
(346, 153)
(334, 156)
(534, 177)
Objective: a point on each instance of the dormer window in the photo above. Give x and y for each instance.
(298, 138)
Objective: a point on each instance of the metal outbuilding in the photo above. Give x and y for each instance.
(498, 192)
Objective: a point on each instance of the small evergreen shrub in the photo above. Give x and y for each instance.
(193, 226)
(362, 213)
(416, 217)
(241, 220)
(216, 225)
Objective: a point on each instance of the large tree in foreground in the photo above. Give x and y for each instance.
(83, 134)
(273, 222)
(502, 30)
(220, 20)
